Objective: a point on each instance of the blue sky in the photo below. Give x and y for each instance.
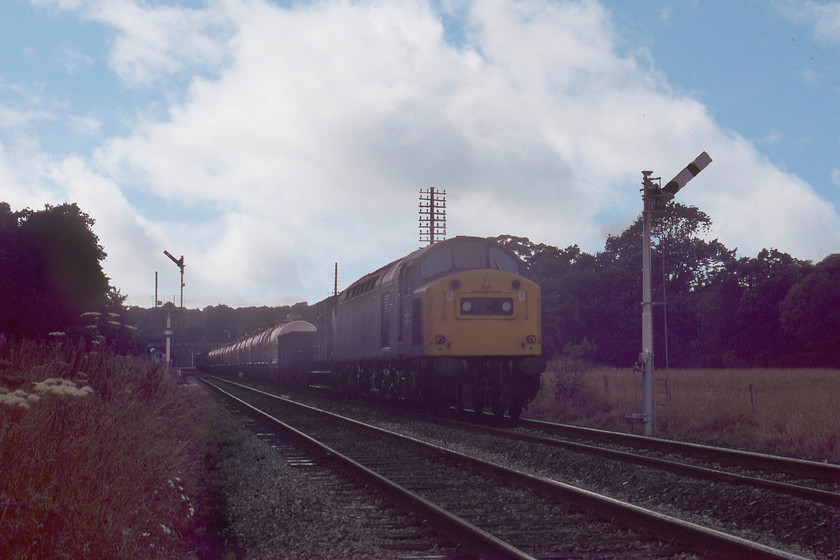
(768, 71)
(265, 141)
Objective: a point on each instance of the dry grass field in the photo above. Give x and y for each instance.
(789, 411)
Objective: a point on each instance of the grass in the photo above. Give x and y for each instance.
(99, 457)
(103, 456)
(790, 411)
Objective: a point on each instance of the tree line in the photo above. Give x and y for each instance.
(712, 308)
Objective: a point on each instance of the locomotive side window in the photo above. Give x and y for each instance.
(436, 262)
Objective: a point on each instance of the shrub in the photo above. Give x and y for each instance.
(97, 456)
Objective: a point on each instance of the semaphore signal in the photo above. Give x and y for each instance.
(655, 197)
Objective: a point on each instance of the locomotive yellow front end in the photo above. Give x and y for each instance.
(483, 333)
(483, 312)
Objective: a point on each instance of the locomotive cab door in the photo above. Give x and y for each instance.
(408, 322)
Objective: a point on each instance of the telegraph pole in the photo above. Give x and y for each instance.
(654, 197)
(432, 215)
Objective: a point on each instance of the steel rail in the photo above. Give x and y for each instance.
(478, 539)
(804, 492)
(828, 472)
(703, 539)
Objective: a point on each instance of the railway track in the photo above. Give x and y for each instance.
(503, 511)
(826, 474)
(806, 480)
(390, 532)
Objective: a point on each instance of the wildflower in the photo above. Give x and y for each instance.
(14, 399)
(61, 387)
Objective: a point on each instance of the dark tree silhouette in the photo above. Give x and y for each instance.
(50, 270)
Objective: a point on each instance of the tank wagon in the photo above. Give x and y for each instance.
(285, 351)
(453, 324)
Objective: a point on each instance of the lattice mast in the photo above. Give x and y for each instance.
(432, 215)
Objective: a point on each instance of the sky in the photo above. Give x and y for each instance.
(265, 141)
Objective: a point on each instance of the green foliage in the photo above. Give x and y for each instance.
(721, 311)
(810, 314)
(50, 270)
(570, 366)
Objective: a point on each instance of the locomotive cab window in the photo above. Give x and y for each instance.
(501, 260)
(469, 255)
(463, 254)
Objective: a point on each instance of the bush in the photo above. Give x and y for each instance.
(98, 454)
(569, 367)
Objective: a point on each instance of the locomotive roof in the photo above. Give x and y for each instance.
(372, 279)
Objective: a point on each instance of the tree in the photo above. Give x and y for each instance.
(810, 316)
(683, 262)
(764, 282)
(51, 270)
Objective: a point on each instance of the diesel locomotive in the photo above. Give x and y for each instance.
(456, 323)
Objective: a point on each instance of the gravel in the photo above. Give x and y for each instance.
(268, 509)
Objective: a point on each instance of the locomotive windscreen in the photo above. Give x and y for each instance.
(467, 255)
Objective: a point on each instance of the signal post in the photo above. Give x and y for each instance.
(654, 198)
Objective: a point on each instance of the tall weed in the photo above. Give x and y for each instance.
(794, 411)
(95, 453)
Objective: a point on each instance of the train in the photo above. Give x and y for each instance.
(454, 324)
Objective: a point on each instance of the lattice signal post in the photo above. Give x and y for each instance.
(432, 215)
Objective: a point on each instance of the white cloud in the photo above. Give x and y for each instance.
(325, 120)
(16, 117)
(73, 59)
(823, 17)
(755, 205)
(153, 41)
(85, 125)
(31, 179)
(774, 137)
